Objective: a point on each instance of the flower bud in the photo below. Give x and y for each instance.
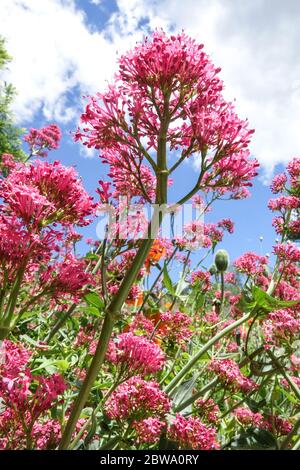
(222, 260)
(213, 270)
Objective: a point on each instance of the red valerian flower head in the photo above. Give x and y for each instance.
(41, 140)
(137, 399)
(168, 83)
(140, 355)
(284, 203)
(247, 417)
(229, 373)
(149, 429)
(7, 161)
(191, 433)
(282, 325)
(46, 192)
(251, 264)
(278, 183)
(66, 277)
(288, 252)
(293, 169)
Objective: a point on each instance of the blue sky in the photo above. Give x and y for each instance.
(65, 49)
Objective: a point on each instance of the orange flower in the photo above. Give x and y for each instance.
(156, 252)
(137, 301)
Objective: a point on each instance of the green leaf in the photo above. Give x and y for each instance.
(62, 364)
(92, 256)
(184, 392)
(269, 303)
(91, 310)
(93, 299)
(51, 365)
(253, 438)
(261, 302)
(167, 281)
(255, 406)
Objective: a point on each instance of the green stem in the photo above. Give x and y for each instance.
(11, 305)
(196, 395)
(203, 350)
(214, 382)
(112, 313)
(291, 383)
(88, 382)
(60, 322)
(222, 292)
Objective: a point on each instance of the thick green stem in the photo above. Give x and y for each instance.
(88, 382)
(111, 314)
(203, 350)
(4, 332)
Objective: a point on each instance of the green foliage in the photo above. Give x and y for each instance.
(10, 141)
(262, 303)
(254, 439)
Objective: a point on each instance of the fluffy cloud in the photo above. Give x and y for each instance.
(59, 55)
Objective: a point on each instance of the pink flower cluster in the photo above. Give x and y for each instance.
(251, 264)
(230, 375)
(149, 429)
(227, 225)
(199, 235)
(191, 433)
(278, 183)
(288, 204)
(21, 393)
(284, 203)
(44, 193)
(293, 169)
(202, 280)
(41, 140)
(288, 252)
(176, 327)
(208, 410)
(66, 277)
(282, 325)
(41, 203)
(135, 354)
(7, 162)
(16, 381)
(277, 424)
(247, 418)
(137, 399)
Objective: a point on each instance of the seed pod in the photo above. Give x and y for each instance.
(222, 260)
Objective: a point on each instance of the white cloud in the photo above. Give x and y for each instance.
(255, 42)
(54, 52)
